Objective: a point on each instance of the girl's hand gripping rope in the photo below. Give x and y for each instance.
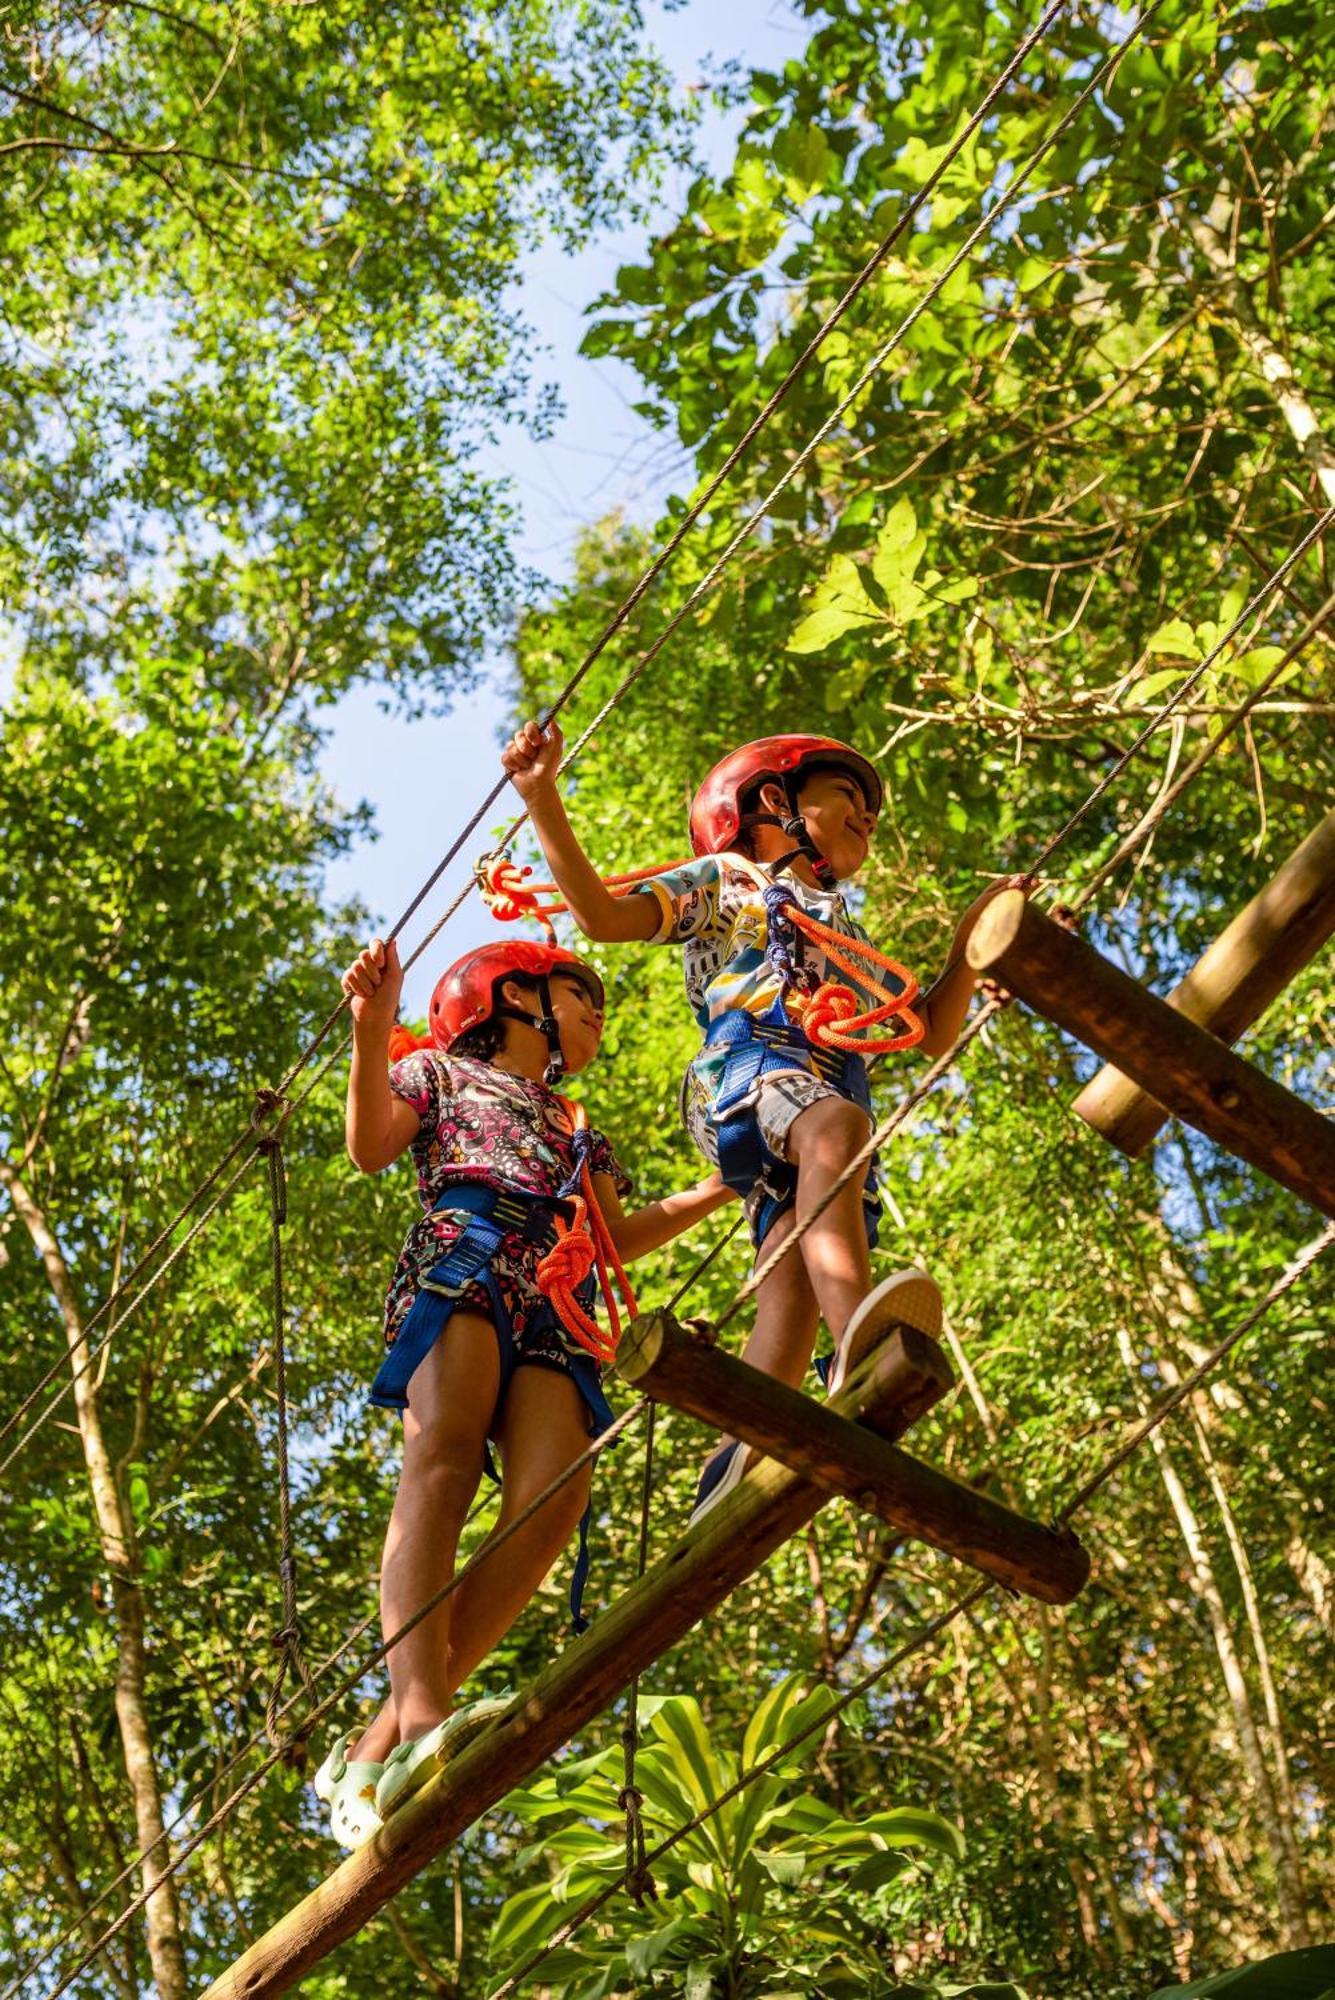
(373, 984)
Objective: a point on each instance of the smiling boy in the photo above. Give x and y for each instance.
(777, 823)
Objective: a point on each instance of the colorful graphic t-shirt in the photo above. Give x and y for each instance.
(715, 909)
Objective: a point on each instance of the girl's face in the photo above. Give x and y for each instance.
(579, 1021)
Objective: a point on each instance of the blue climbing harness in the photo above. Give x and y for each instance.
(760, 1045)
(493, 1214)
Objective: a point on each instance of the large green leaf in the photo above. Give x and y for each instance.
(1292, 1975)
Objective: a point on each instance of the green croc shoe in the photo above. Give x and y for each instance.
(409, 1765)
(349, 1792)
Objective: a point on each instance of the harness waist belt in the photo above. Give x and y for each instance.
(758, 1045)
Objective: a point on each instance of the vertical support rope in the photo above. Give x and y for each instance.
(640, 1884)
(287, 1640)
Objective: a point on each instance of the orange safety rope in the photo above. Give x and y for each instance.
(581, 1246)
(509, 896)
(833, 1014)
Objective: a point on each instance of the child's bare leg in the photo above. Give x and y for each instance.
(784, 1334)
(451, 1400)
(822, 1141)
(543, 1429)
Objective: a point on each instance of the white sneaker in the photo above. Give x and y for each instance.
(409, 1765)
(909, 1298)
(349, 1792)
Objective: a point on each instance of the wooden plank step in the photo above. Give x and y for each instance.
(1191, 1073)
(695, 1576)
(1231, 985)
(676, 1366)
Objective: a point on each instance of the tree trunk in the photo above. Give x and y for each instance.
(115, 1530)
(1293, 1922)
(1315, 1578)
(1285, 1804)
(1202, 1414)
(1211, 237)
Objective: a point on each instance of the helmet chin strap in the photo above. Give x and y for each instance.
(547, 1025)
(805, 848)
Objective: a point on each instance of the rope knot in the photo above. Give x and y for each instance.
(502, 885)
(640, 1884)
(830, 1006)
(270, 1105)
(571, 1258)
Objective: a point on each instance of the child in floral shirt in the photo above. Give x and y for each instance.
(476, 1352)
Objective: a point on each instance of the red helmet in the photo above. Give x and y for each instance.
(463, 998)
(716, 815)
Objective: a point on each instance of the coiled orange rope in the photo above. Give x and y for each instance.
(581, 1246)
(833, 1014)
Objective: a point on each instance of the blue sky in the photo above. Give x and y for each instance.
(423, 779)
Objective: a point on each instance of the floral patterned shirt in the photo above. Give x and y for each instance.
(481, 1123)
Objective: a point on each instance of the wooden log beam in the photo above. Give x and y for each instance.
(695, 1576)
(662, 1358)
(1229, 988)
(1193, 1075)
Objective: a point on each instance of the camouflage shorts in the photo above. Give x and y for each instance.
(778, 1101)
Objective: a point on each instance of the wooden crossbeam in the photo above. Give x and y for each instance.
(674, 1366)
(1264, 948)
(1191, 1073)
(692, 1579)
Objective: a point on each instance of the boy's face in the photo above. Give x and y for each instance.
(834, 807)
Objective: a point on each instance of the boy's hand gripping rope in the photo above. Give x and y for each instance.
(580, 1247)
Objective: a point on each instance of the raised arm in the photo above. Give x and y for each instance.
(649, 1228)
(533, 760)
(945, 1004)
(379, 1126)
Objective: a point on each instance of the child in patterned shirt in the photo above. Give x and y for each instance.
(498, 1154)
(776, 826)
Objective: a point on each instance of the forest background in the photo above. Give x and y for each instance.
(261, 332)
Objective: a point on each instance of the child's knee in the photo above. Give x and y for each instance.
(439, 1458)
(830, 1133)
